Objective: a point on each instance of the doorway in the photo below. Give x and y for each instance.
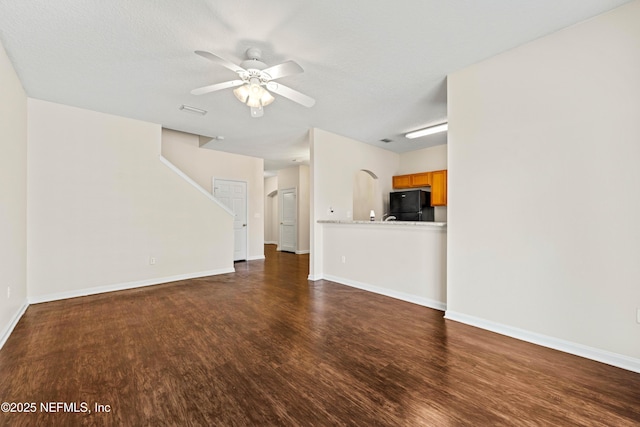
(233, 194)
(365, 195)
(271, 219)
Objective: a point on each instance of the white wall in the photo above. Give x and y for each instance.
(100, 203)
(13, 196)
(423, 160)
(544, 181)
(202, 164)
(304, 210)
(402, 261)
(334, 162)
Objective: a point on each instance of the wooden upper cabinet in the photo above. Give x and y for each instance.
(439, 188)
(437, 180)
(402, 181)
(421, 179)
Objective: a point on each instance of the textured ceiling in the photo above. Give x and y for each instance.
(376, 68)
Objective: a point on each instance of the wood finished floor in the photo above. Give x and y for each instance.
(263, 346)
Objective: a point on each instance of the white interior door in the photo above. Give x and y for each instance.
(288, 220)
(233, 194)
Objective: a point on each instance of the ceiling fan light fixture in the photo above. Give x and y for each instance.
(257, 111)
(254, 78)
(254, 102)
(266, 98)
(242, 93)
(254, 86)
(254, 95)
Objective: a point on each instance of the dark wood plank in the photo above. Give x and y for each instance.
(263, 346)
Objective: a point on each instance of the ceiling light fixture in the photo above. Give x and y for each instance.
(254, 95)
(254, 78)
(442, 127)
(192, 109)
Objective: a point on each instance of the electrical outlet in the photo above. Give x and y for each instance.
(344, 259)
(330, 211)
(152, 261)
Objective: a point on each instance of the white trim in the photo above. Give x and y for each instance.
(270, 243)
(194, 184)
(313, 278)
(426, 302)
(256, 258)
(125, 286)
(14, 321)
(610, 358)
(302, 252)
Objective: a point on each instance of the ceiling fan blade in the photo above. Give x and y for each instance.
(293, 95)
(217, 86)
(215, 58)
(285, 69)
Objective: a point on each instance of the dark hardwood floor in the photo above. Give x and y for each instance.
(263, 346)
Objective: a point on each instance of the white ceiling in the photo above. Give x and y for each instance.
(377, 68)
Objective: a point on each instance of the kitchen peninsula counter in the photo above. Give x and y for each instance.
(401, 259)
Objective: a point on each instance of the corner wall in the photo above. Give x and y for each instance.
(13, 197)
(544, 237)
(101, 204)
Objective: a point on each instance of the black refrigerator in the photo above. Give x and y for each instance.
(411, 205)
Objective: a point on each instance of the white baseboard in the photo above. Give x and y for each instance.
(302, 252)
(255, 258)
(270, 243)
(313, 278)
(125, 286)
(14, 321)
(425, 302)
(613, 359)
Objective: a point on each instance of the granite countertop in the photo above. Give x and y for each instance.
(391, 223)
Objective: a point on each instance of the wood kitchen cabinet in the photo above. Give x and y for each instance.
(402, 181)
(421, 179)
(439, 188)
(437, 180)
(413, 180)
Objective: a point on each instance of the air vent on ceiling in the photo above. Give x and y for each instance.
(386, 140)
(191, 109)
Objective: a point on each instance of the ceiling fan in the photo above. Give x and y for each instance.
(254, 77)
